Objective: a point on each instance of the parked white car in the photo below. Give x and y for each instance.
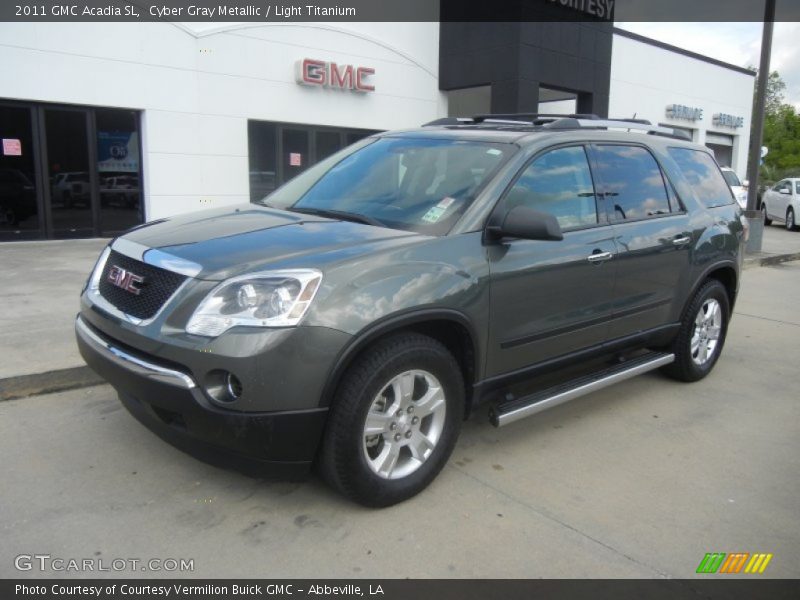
(782, 203)
(739, 190)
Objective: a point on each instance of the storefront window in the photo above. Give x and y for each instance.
(298, 146)
(118, 170)
(19, 211)
(68, 171)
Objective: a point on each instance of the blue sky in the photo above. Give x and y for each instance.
(735, 43)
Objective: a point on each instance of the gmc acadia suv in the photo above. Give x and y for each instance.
(357, 315)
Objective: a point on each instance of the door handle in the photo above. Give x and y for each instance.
(599, 257)
(682, 240)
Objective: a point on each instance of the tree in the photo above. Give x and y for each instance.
(775, 92)
(781, 132)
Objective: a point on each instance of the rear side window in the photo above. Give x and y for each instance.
(560, 183)
(703, 175)
(633, 183)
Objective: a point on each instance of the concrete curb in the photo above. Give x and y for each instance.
(23, 386)
(767, 260)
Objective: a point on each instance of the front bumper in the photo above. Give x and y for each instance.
(169, 402)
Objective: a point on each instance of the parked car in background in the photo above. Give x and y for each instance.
(17, 197)
(119, 190)
(782, 203)
(72, 188)
(737, 187)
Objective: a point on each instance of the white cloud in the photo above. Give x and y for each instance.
(735, 43)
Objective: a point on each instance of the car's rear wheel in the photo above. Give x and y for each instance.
(702, 333)
(767, 220)
(394, 421)
(791, 225)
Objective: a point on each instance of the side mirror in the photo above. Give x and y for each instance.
(525, 223)
(785, 191)
(746, 183)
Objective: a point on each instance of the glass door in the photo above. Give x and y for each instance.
(117, 157)
(19, 206)
(68, 172)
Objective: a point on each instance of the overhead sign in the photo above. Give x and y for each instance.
(723, 120)
(321, 73)
(601, 9)
(686, 113)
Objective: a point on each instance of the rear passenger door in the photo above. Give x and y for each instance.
(551, 298)
(652, 234)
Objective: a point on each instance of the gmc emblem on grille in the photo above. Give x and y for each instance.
(125, 279)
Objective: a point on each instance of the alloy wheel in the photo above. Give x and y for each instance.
(404, 423)
(706, 332)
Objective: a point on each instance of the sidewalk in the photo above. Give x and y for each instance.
(40, 283)
(39, 287)
(778, 245)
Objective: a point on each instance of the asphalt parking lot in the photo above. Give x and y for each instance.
(639, 480)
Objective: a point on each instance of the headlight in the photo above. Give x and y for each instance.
(268, 299)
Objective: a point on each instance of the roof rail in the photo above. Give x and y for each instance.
(509, 119)
(629, 124)
(563, 123)
(529, 117)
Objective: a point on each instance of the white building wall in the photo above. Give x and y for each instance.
(198, 84)
(645, 79)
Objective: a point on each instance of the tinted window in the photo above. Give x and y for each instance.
(703, 175)
(782, 185)
(632, 181)
(797, 187)
(559, 183)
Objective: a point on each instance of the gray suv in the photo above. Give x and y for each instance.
(357, 315)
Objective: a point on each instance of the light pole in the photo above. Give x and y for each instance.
(752, 214)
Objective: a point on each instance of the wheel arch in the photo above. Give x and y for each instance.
(449, 327)
(724, 272)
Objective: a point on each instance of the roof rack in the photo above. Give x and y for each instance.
(629, 124)
(539, 121)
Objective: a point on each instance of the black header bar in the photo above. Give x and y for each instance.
(275, 11)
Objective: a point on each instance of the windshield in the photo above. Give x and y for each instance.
(731, 178)
(421, 185)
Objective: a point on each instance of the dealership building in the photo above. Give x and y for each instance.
(107, 125)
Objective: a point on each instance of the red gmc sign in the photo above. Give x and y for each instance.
(332, 75)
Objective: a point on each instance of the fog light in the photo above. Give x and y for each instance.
(233, 386)
(223, 386)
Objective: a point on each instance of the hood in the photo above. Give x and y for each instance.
(237, 240)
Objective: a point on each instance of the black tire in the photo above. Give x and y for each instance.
(343, 462)
(791, 222)
(767, 220)
(685, 368)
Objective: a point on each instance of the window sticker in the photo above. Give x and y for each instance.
(435, 213)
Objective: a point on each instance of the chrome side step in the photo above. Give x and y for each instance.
(519, 408)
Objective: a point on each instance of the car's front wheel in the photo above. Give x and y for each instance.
(767, 220)
(394, 421)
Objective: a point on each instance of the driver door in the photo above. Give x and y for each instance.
(551, 298)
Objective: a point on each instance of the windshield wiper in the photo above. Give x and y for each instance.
(338, 214)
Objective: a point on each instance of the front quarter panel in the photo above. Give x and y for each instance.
(449, 273)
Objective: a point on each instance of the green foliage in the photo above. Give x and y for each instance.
(781, 134)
